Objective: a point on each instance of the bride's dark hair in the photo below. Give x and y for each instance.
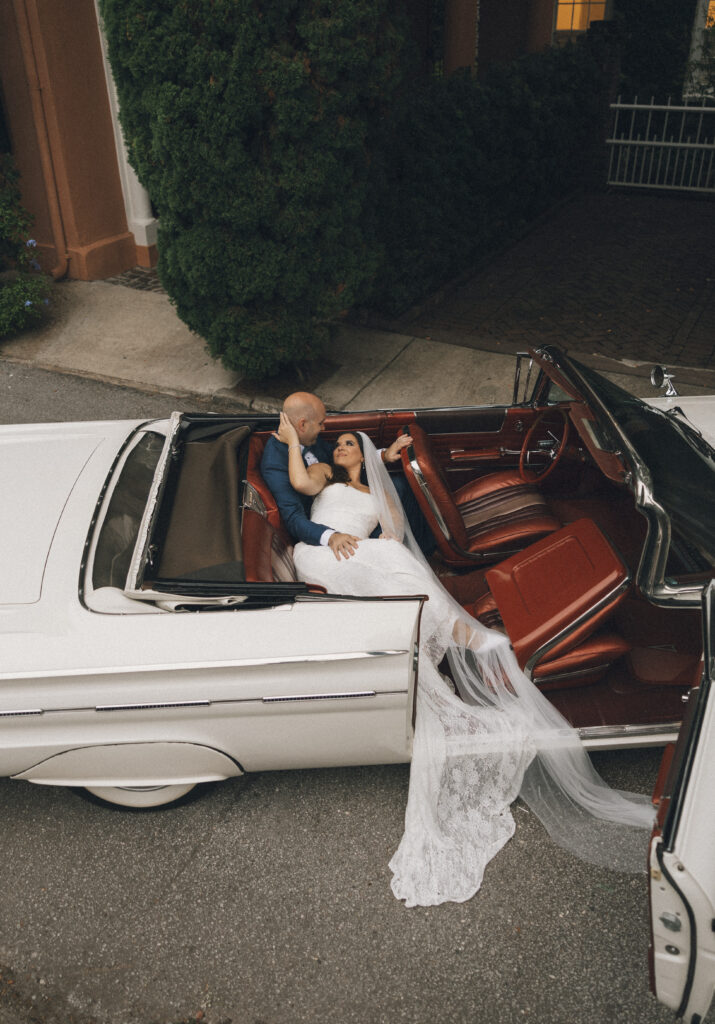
(340, 474)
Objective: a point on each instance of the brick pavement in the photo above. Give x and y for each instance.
(624, 276)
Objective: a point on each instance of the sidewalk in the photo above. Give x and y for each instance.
(620, 281)
(134, 338)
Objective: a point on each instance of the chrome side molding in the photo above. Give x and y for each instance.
(542, 651)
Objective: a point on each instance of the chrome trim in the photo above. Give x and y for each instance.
(517, 377)
(245, 663)
(606, 732)
(422, 483)
(28, 711)
(708, 619)
(135, 573)
(540, 652)
(572, 675)
(154, 705)
(251, 499)
(318, 696)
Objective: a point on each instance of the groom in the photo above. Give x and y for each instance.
(307, 414)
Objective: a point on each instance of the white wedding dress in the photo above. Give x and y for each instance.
(458, 813)
(473, 754)
(378, 566)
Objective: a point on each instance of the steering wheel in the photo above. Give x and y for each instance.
(545, 438)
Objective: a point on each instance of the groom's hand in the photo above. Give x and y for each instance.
(343, 544)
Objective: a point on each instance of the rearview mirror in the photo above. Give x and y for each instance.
(659, 377)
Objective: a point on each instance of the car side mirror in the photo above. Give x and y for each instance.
(659, 378)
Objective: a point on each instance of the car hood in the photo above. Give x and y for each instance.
(39, 467)
(699, 409)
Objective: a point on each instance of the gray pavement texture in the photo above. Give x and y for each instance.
(620, 280)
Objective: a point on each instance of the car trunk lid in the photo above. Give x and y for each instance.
(38, 473)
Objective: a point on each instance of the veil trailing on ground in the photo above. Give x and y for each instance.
(476, 752)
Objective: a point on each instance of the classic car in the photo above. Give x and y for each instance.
(155, 635)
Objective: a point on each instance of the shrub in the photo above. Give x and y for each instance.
(251, 127)
(23, 289)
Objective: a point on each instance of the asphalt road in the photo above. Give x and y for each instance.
(267, 901)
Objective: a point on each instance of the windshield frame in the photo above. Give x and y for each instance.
(650, 576)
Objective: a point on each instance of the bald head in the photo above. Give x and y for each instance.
(307, 414)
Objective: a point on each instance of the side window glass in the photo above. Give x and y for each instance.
(556, 395)
(118, 535)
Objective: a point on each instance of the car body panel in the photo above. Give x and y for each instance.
(43, 475)
(699, 409)
(681, 860)
(260, 684)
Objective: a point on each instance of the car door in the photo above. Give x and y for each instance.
(682, 854)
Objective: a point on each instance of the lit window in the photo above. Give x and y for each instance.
(574, 16)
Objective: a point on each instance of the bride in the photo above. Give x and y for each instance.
(475, 750)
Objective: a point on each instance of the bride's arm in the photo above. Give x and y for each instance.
(305, 480)
(318, 475)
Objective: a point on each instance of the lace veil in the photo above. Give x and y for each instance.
(473, 756)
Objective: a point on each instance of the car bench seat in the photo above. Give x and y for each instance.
(554, 600)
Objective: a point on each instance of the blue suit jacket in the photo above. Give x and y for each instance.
(294, 507)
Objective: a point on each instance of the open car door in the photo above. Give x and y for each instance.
(682, 853)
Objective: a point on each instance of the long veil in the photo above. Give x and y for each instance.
(476, 751)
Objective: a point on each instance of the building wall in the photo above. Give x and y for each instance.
(506, 29)
(60, 125)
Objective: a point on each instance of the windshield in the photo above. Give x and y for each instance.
(682, 467)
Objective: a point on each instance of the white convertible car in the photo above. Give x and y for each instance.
(154, 634)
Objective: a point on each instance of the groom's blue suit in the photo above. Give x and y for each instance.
(295, 508)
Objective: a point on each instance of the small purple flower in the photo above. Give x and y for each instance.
(45, 302)
(31, 242)
(34, 264)
(27, 303)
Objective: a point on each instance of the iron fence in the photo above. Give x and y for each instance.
(662, 146)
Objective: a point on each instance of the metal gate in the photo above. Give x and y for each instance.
(663, 146)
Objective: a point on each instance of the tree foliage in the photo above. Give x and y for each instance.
(23, 288)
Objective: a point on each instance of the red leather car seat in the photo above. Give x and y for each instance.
(482, 521)
(555, 600)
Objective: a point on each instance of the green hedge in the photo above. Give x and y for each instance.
(656, 37)
(470, 164)
(251, 127)
(23, 288)
(301, 168)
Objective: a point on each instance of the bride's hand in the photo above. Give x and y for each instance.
(286, 433)
(392, 453)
